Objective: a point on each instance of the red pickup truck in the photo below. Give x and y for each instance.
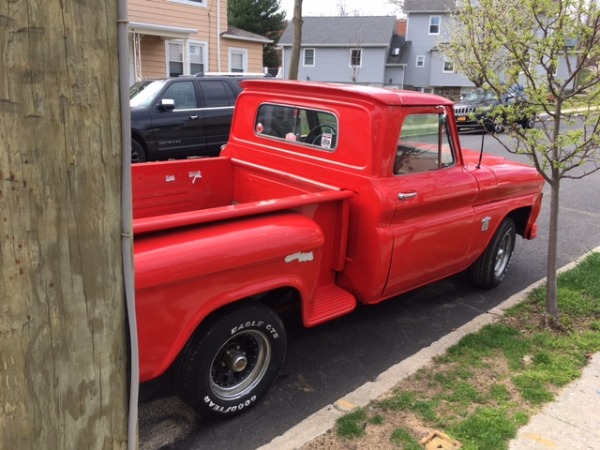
(324, 196)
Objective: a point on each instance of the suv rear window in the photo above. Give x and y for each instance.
(217, 93)
(309, 127)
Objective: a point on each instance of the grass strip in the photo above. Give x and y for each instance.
(488, 385)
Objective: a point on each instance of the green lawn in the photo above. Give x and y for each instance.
(489, 384)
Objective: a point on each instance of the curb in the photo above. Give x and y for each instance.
(323, 420)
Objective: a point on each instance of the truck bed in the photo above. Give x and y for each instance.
(176, 193)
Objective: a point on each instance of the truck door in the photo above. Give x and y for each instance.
(177, 119)
(433, 195)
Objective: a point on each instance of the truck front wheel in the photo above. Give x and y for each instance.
(491, 267)
(231, 362)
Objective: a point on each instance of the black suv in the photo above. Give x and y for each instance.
(182, 116)
(474, 110)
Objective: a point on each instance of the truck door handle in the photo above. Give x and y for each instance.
(406, 195)
(193, 117)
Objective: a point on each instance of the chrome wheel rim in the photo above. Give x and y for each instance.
(240, 365)
(503, 255)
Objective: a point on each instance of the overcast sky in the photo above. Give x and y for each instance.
(330, 8)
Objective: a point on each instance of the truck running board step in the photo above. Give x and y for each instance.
(330, 302)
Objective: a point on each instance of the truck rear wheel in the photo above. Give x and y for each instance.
(491, 267)
(232, 361)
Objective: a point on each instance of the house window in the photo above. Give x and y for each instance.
(176, 65)
(420, 60)
(175, 58)
(448, 67)
(197, 59)
(309, 57)
(191, 2)
(434, 24)
(356, 57)
(238, 60)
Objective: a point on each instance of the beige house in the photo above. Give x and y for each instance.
(182, 37)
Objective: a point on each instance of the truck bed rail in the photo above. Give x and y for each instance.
(169, 221)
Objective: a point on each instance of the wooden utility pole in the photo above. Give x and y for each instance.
(63, 341)
(297, 40)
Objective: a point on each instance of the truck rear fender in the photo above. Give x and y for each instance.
(177, 290)
(162, 339)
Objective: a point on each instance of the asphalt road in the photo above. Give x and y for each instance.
(326, 362)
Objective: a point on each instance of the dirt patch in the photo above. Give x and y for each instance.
(376, 437)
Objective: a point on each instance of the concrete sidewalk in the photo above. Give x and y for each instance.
(571, 422)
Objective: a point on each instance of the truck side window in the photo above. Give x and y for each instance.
(424, 144)
(304, 126)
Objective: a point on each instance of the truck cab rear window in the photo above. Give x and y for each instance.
(309, 127)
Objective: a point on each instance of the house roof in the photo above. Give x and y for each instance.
(343, 31)
(428, 6)
(398, 57)
(243, 35)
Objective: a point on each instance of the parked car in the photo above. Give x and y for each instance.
(182, 116)
(474, 111)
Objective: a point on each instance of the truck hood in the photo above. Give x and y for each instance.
(499, 177)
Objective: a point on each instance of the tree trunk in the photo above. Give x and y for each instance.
(297, 43)
(63, 341)
(551, 268)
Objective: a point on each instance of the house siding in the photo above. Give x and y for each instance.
(421, 44)
(432, 75)
(153, 57)
(394, 76)
(439, 78)
(333, 65)
(201, 18)
(255, 61)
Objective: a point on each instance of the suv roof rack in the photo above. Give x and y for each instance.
(233, 74)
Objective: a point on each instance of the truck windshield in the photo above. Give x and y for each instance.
(424, 144)
(143, 92)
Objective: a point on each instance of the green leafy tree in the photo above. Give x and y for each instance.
(548, 48)
(261, 17)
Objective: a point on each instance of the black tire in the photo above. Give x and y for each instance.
(232, 360)
(492, 126)
(528, 123)
(496, 128)
(137, 152)
(490, 268)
